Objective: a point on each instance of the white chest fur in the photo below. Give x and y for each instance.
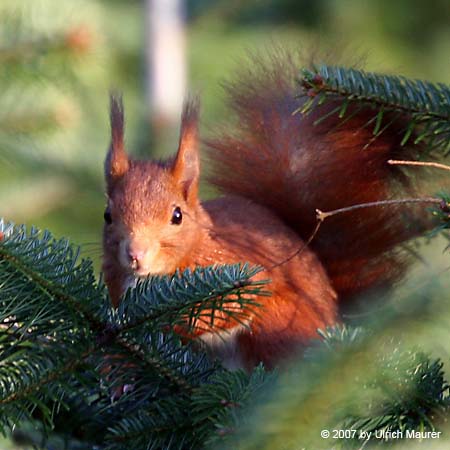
(224, 345)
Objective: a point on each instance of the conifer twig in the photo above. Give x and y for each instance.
(419, 163)
(322, 215)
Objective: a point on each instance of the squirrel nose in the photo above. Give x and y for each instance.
(135, 257)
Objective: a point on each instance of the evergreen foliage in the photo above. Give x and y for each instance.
(363, 383)
(428, 104)
(67, 356)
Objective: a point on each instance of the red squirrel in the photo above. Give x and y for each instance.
(275, 168)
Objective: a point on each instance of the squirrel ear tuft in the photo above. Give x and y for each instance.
(186, 166)
(116, 163)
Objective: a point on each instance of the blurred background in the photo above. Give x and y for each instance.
(60, 58)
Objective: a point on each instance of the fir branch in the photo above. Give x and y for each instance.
(158, 357)
(164, 425)
(442, 212)
(23, 377)
(387, 91)
(427, 104)
(192, 298)
(37, 383)
(188, 299)
(217, 407)
(56, 328)
(220, 405)
(50, 267)
(415, 395)
(353, 380)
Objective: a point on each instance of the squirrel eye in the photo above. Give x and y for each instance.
(177, 216)
(107, 217)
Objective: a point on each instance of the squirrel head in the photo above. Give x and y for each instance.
(151, 220)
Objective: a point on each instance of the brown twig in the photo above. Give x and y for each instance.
(419, 163)
(302, 248)
(322, 215)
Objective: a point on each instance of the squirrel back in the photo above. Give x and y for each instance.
(276, 169)
(292, 166)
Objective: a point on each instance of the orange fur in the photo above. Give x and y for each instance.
(293, 167)
(276, 169)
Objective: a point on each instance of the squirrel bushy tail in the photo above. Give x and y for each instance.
(285, 162)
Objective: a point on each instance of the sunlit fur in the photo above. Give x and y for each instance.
(275, 168)
(141, 200)
(141, 207)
